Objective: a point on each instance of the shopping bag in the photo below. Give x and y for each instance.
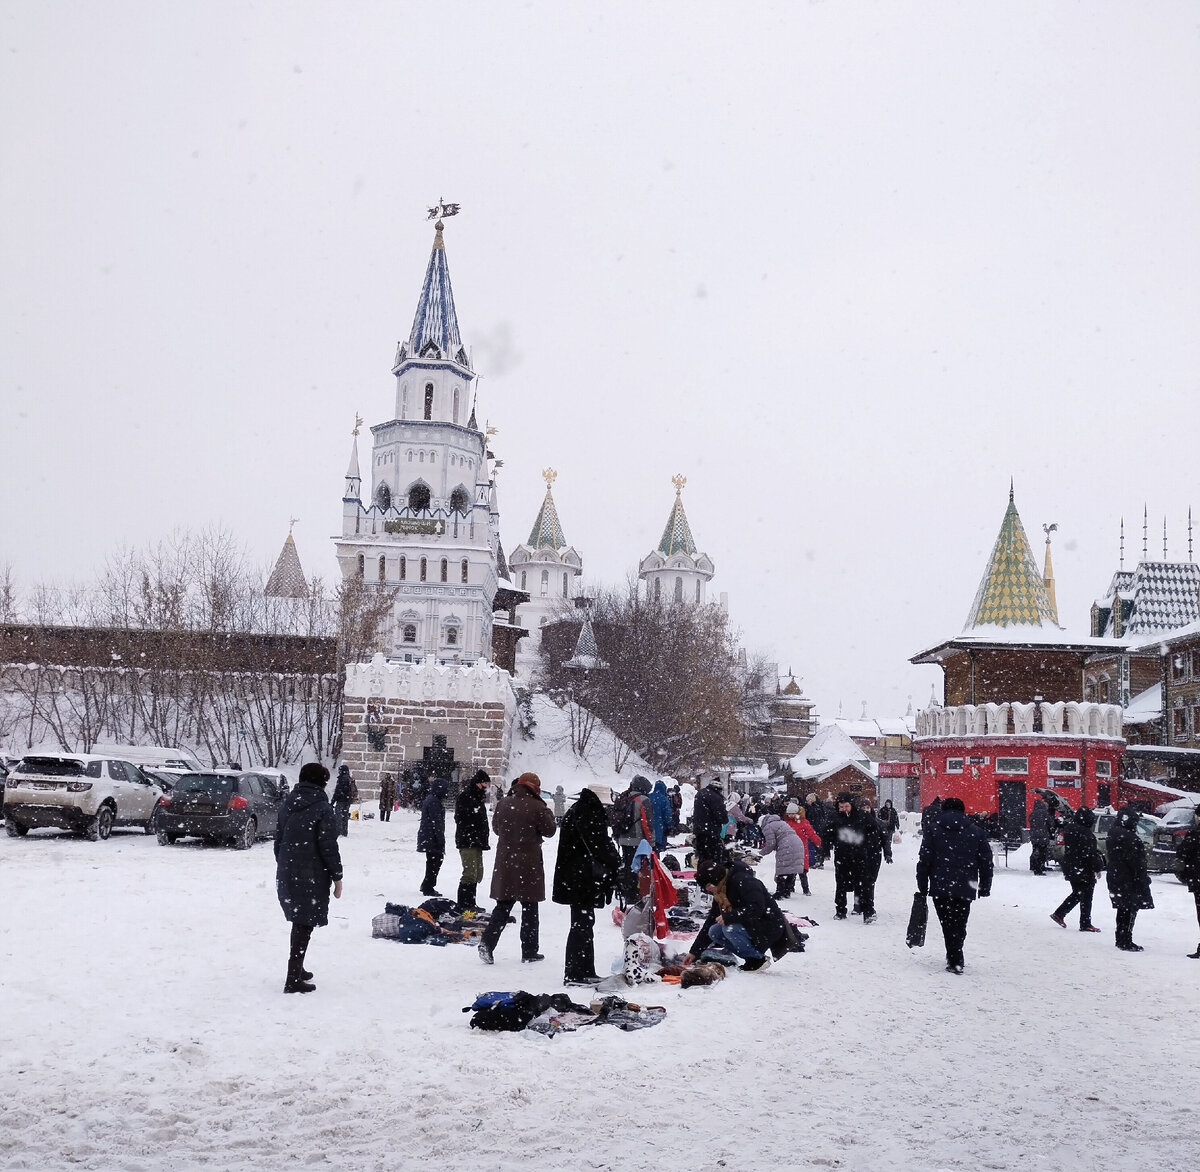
(917, 921)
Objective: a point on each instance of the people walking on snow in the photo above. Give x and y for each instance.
(676, 795)
(708, 820)
(307, 864)
(471, 837)
(387, 797)
(929, 815)
(633, 824)
(1188, 854)
(779, 839)
(521, 821)
(818, 816)
(431, 833)
(1128, 879)
(859, 846)
(796, 817)
(744, 919)
(585, 873)
(889, 819)
(559, 798)
(955, 867)
(1081, 867)
(1039, 836)
(345, 791)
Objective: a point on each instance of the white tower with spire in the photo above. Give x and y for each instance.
(549, 571)
(676, 571)
(428, 525)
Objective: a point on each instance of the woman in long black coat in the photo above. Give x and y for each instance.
(307, 864)
(1082, 862)
(1128, 879)
(584, 874)
(431, 834)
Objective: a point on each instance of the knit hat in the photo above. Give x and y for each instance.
(811, 798)
(640, 785)
(314, 773)
(793, 807)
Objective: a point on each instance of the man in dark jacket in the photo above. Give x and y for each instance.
(307, 861)
(744, 918)
(708, 820)
(345, 791)
(431, 834)
(1039, 836)
(584, 875)
(929, 815)
(818, 817)
(1188, 854)
(859, 846)
(521, 821)
(1082, 864)
(471, 837)
(954, 866)
(1128, 879)
(387, 797)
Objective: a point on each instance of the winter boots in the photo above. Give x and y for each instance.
(299, 979)
(1195, 955)
(466, 898)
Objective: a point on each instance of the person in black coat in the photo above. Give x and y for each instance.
(929, 815)
(708, 820)
(744, 918)
(471, 837)
(431, 834)
(1188, 854)
(307, 863)
(889, 819)
(1082, 864)
(955, 867)
(818, 817)
(1039, 836)
(345, 791)
(585, 873)
(859, 846)
(1128, 879)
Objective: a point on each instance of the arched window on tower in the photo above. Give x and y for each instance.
(429, 400)
(545, 583)
(452, 636)
(657, 589)
(697, 589)
(418, 497)
(445, 570)
(460, 500)
(565, 587)
(403, 567)
(466, 569)
(424, 569)
(455, 405)
(362, 565)
(383, 497)
(678, 589)
(383, 569)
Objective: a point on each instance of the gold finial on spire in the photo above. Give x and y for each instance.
(549, 476)
(678, 480)
(358, 422)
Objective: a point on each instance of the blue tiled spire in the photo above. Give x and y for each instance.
(435, 325)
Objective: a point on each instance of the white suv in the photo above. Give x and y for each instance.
(79, 792)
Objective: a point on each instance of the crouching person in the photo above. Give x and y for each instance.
(744, 918)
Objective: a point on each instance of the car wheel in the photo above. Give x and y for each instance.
(167, 838)
(100, 827)
(245, 840)
(152, 821)
(14, 828)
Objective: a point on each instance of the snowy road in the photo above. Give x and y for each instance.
(142, 1027)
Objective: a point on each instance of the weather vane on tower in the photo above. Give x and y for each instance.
(443, 209)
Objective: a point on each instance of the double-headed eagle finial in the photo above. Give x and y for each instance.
(678, 480)
(549, 476)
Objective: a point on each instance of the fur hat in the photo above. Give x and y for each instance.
(811, 798)
(710, 871)
(314, 773)
(845, 797)
(640, 785)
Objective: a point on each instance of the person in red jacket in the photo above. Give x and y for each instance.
(796, 819)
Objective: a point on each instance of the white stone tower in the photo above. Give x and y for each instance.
(428, 525)
(549, 570)
(676, 571)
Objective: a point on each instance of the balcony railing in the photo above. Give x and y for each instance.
(1078, 718)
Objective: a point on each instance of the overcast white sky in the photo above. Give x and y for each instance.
(847, 266)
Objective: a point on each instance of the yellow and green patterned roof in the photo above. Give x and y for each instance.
(547, 532)
(1012, 593)
(677, 536)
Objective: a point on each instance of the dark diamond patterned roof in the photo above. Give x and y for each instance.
(1165, 595)
(1012, 593)
(287, 578)
(677, 536)
(547, 532)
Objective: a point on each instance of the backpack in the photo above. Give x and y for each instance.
(624, 813)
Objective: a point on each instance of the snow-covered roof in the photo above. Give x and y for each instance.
(827, 751)
(1145, 706)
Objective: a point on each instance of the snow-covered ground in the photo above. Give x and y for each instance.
(142, 1026)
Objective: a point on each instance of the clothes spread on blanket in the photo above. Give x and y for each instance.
(436, 921)
(556, 1013)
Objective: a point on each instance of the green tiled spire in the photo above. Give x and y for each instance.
(1012, 593)
(677, 536)
(547, 532)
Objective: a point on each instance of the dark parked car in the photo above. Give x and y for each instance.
(238, 808)
(1167, 836)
